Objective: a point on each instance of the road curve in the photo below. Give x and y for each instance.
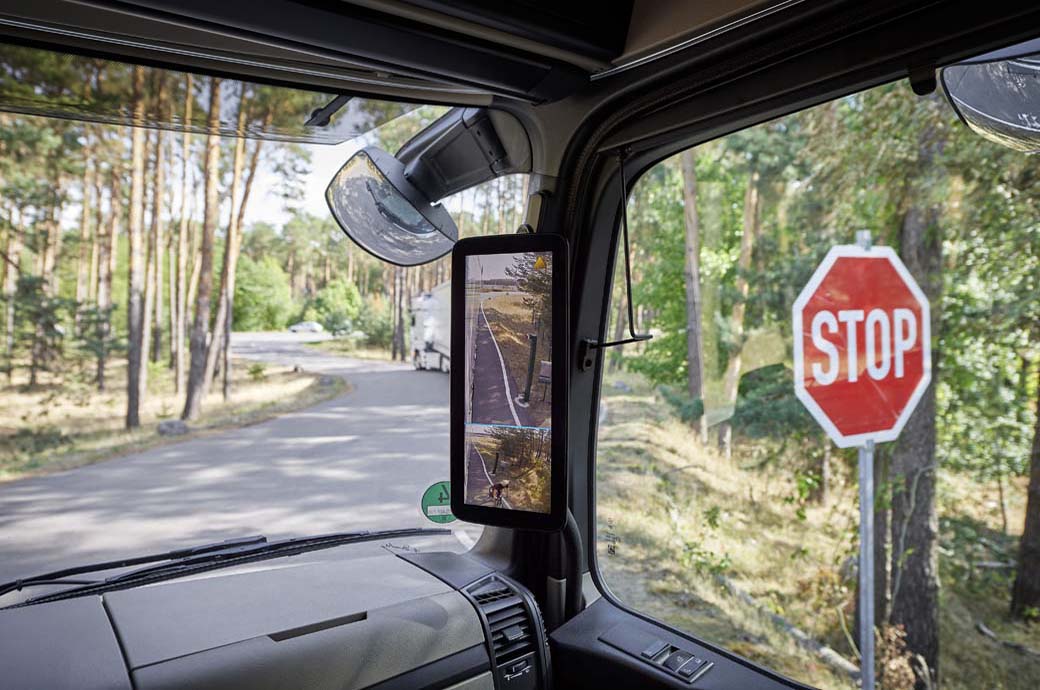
(359, 461)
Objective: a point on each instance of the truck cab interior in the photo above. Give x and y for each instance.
(583, 98)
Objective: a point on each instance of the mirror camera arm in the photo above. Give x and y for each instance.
(587, 346)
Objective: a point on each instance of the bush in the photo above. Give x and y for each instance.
(263, 299)
(257, 371)
(336, 307)
(689, 410)
(374, 320)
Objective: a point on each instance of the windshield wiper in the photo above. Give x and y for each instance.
(62, 576)
(239, 554)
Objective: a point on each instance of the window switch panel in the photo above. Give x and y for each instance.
(655, 649)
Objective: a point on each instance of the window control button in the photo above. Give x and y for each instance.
(690, 667)
(677, 659)
(655, 648)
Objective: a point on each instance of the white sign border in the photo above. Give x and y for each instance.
(857, 252)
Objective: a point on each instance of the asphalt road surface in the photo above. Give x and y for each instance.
(494, 387)
(359, 461)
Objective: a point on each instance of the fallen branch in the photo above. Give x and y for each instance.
(1018, 647)
(828, 655)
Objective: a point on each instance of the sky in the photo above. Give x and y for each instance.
(494, 265)
(325, 163)
(265, 202)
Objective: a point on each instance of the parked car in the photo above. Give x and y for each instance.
(307, 327)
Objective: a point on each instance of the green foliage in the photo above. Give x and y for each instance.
(94, 336)
(39, 331)
(767, 407)
(336, 306)
(257, 371)
(703, 560)
(374, 320)
(857, 162)
(712, 517)
(263, 300)
(688, 409)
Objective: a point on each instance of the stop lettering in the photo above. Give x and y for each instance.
(862, 350)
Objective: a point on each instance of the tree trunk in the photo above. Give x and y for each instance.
(197, 383)
(915, 578)
(1025, 594)
(150, 256)
(171, 295)
(135, 285)
(231, 247)
(158, 225)
(106, 271)
(731, 382)
(85, 233)
(400, 314)
(882, 536)
(254, 161)
(181, 318)
(13, 254)
(51, 247)
(393, 312)
(617, 356)
(95, 244)
(692, 275)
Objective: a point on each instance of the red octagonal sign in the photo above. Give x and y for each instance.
(862, 345)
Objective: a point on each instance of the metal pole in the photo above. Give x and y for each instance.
(866, 542)
(866, 564)
(533, 338)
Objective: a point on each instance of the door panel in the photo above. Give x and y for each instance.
(606, 646)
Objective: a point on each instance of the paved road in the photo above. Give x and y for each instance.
(494, 387)
(359, 461)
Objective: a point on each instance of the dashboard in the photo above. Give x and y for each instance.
(376, 619)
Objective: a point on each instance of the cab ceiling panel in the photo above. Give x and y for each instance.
(351, 48)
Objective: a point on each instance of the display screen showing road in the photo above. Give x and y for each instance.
(508, 377)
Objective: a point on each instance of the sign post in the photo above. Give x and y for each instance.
(866, 543)
(862, 361)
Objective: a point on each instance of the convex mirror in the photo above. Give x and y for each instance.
(385, 214)
(998, 95)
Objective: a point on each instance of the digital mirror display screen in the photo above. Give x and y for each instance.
(508, 380)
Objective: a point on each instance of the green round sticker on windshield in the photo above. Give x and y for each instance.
(436, 503)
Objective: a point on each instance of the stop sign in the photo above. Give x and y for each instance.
(862, 345)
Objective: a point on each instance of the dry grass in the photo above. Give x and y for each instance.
(65, 422)
(677, 514)
(348, 348)
(529, 486)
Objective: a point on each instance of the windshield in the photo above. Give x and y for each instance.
(130, 422)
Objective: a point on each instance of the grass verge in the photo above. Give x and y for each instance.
(66, 422)
(673, 515)
(347, 348)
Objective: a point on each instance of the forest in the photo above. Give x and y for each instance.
(126, 248)
(725, 235)
(127, 260)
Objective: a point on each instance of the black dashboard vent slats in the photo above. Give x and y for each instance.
(510, 632)
(510, 624)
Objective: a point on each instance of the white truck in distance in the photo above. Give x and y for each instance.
(431, 329)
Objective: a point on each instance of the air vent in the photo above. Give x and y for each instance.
(509, 620)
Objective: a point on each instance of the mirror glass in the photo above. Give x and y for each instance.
(385, 214)
(998, 95)
(508, 322)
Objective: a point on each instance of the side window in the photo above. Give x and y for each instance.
(722, 507)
